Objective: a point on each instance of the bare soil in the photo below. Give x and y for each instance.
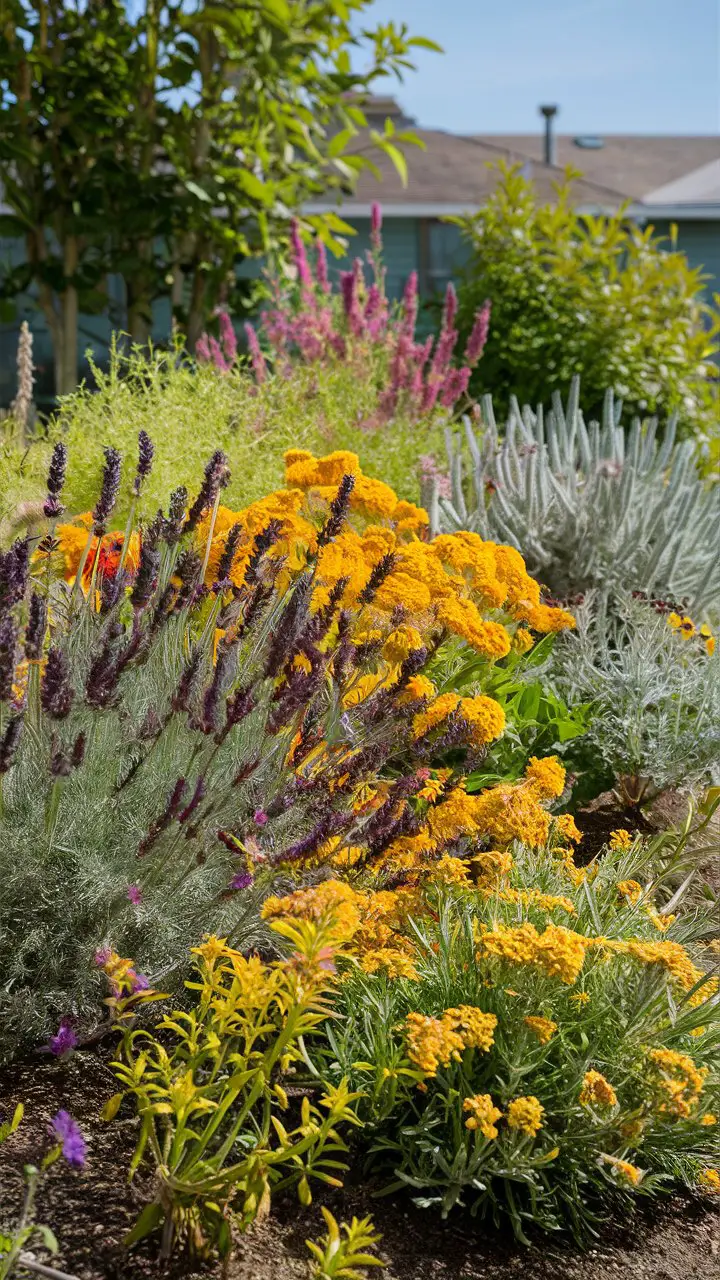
(91, 1210)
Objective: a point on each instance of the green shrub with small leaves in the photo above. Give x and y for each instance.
(597, 296)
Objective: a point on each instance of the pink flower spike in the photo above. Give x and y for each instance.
(299, 256)
(322, 267)
(217, 356)
(450, 307)
(410, 304)
(479, 334)
(202, 349)
(376, 228)
(228, 338)
(257, 358)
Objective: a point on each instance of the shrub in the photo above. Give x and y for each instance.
(590, 506)
(653, 680)
(208, 1092)
(218, 695)
(549, 1048)
(596, 296)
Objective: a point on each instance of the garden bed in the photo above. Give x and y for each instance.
(90, 1211)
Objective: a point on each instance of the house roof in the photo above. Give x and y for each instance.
(702, 186)
(452, 174)
(632, 165)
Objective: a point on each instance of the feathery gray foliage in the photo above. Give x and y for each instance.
(655, 694)
(589, 505)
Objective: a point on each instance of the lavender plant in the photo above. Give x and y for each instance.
(591, 506)
(652, 677)
(188, 707)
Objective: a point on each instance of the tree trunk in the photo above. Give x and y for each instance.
(196, 310)
(70, 315)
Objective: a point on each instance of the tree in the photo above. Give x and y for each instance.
(170, 142)
(595, 296)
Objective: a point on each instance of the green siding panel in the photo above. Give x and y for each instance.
(700, 242)
(401, 252)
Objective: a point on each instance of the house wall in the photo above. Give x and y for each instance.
(700, 242)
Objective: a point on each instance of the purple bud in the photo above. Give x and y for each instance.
(146, 453)
(52, 507)
(242, 880)
(108, 492)
(35, 629)
(64, 1040)
(67, 1131)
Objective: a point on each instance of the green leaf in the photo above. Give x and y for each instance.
(112, 1106)
(197, 191)
(149, 1220)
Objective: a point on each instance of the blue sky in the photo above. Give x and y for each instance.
(613, 66)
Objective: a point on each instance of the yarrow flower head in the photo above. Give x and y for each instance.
(482, 1114)
(526, 1115)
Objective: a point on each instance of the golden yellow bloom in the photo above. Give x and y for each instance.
(709, 1180)
(401, 642)
(626, 1173)
(684, 625)
(453, 818)
(707, 638)
(565, 824)
(557, 951)
(548, 775)
(491, 867)
(597, 1091)
(485, 717)
(543, 1028)
(526, 1115)
(522, 640)
(580, 997)
(363, 688)
(314, 903)
(630, 889)
(463, 618)
(435, 714)
(541, 617)
(512, 812)
(477, 1029)
(482, 1114)
(416, 688)
(431, 1043)
(432, 788)
(677, 1081)
(450, 871)
(708, 1119)
(620, 839)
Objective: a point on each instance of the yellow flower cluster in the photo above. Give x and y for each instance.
(547, 775)
(557, 951)
(543, 1028)
(670, 955)
(482, 1114)
(626, 1173)
(631, 890)
(374, 921)
(620, 839)
(526, 1115)
(445, 582)
(709, 1180)
(686, 628)
(676, 1081)
(436, 1042)
(597, 1091)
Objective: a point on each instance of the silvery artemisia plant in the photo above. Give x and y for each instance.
(653, 680)
(152, 729)
(591, 506)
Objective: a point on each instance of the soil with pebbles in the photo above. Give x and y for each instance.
(92, 1209)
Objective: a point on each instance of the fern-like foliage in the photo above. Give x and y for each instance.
(590, 505)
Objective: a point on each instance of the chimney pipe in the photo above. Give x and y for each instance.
(550, 150)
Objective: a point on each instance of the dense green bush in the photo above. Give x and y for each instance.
(595, 296)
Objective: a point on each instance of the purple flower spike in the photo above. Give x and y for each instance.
(134, 894)
(64, 1041)
(67, 1131)
(260, 817)
(242, 880)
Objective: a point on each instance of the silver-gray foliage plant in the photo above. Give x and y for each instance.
(589, 505)
(655, 694)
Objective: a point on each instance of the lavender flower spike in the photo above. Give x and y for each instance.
(217, 476)
(53, 507)
(56, 694)
(108, 493)
(146, 453)
(35, 629)
(67, 1131)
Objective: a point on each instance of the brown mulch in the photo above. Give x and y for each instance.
(91, 1210)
